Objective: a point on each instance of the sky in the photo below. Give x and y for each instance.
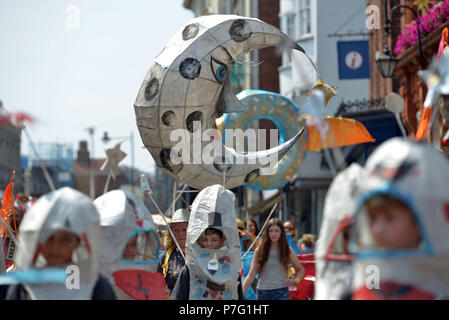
(74, 64)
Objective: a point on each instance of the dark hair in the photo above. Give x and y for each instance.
(265, 246)
(255, 224)
(209, 231)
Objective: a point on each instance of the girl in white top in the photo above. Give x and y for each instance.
(271, 260)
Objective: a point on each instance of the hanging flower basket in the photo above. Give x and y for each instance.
(433, 18)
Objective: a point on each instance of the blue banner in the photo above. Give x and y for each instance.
(49, 275)
(292, 243)
(353, 59)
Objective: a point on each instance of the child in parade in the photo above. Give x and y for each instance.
(402, 224)
(307, 245)
(213, 253)
(171, 261)
(129, 247)
(60, 230)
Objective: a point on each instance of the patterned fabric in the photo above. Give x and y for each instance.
(175, 264)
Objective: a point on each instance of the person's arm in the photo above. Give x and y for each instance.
(297, 265)
(252, 272)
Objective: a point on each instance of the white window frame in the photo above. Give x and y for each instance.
(290, 28)
(284, 19)
(304, 8)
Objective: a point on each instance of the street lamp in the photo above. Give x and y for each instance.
(91, 131)
(106, 138)
(387, 63)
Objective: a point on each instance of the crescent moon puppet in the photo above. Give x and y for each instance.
(188, 87)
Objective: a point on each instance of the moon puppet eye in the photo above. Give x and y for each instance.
(219, 70)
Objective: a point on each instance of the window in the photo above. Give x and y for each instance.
(290, 24)
(305, 26)
(288, 20)
(296, 19)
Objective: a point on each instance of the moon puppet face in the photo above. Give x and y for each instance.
(189, 83)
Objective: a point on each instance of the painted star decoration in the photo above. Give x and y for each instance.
(329, 91)
(316, 103)
(114, 156)
(436, 78)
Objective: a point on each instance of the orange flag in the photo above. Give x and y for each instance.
(342, 132)
(423, 124)
(8, 207)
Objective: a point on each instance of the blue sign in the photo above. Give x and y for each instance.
(353, 59)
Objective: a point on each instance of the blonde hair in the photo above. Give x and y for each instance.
(308, 240)
(168, 240)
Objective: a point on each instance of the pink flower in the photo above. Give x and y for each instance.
(436, 15)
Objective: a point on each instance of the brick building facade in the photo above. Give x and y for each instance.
(268, 71)
(406, 81)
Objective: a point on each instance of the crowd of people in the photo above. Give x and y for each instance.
(384, 235)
